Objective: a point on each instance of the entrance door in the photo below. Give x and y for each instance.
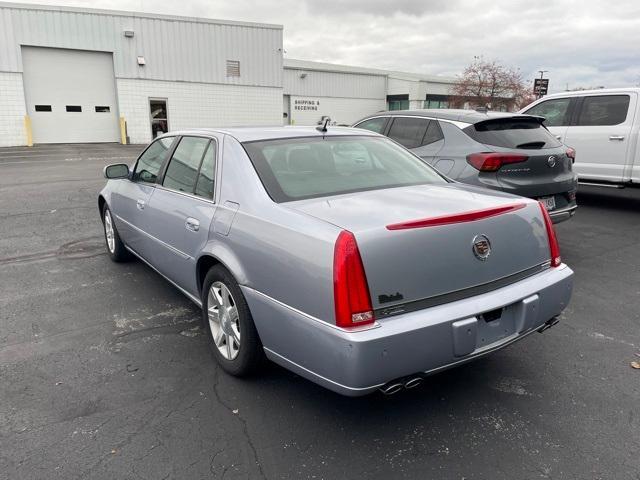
(159, 119)
(286, 110)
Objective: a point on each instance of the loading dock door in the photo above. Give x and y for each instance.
(70, 95)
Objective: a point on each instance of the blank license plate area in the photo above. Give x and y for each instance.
(548, 202)
(495, 325)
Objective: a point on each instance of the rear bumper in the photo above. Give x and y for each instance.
(421, 342)
(562, 214)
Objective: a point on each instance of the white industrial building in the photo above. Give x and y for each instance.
(83, 75)
(313, 90)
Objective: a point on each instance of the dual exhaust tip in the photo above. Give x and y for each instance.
(403, 384)
(408, 383)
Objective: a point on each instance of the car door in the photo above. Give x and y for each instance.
(131, 197)
(181, 209)
(601, 136)
(557, 113)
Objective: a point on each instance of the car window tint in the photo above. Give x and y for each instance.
(554, 112)
(434, 133)
(294, 169)
(151, 160)
(522, 133)
(182, 171)
(604, 110)
(408, 132)
(373, 124)
(207, 174)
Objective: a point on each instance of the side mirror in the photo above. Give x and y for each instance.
(115, 171)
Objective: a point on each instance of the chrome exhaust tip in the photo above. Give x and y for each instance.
(391, 388)
(548, 324)
(413, 382)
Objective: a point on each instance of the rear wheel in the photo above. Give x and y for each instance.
(234, 339)
(115, 247)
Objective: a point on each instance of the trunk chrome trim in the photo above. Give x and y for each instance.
(399, 309)
(193, 298)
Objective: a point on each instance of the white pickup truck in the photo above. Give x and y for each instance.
(602, 126)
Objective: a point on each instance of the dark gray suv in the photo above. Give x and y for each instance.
(503, 151)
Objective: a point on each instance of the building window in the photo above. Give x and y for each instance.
(74, 108)
(233, 68)
(102, 109)
(43, 108)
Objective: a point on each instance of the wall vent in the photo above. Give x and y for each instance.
(233, 68)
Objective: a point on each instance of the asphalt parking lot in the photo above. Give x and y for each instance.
(105, 372)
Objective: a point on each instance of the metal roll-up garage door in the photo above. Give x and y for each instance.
(70, 95)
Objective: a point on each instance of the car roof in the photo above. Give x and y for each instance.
(453, 115)
(601, 91)
(250, 134)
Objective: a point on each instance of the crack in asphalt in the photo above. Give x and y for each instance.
(245, 429)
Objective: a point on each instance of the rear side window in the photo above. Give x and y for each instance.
(434, 133)
(555, 112)
(207, 174)
(182, 172)
(512, 133)
(374, 124)
(604, 110)
(408, 132)
(151, 160)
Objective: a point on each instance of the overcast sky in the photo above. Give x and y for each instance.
(583, 43)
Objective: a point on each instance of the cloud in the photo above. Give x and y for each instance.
(581, 43)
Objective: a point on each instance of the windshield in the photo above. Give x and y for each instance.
(299, 168)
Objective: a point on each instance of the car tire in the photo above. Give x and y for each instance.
(233, 337)
(115, 246)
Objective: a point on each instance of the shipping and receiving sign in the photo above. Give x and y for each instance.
(306, 104)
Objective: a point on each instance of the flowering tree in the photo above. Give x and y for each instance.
(491, 85)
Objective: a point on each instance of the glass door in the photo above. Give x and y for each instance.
(159, 119)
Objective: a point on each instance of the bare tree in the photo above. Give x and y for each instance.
(491, 85)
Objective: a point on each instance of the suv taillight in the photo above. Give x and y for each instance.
(493, 161)
(350, 288)
(554, 248)
(571, 153)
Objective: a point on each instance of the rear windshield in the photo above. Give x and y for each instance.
(512, 133)
(299, 168)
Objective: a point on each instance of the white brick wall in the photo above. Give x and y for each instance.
(195, 105)
(343, 111)
(12, 110)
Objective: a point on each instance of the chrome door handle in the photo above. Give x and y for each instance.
(140, 204)
(616, 137)
(192, 224)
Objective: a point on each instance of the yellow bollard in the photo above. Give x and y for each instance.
(28, 130)
(123, 131)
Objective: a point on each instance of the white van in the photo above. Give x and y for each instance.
(602, 126)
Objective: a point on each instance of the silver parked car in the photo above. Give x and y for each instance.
(338, 254)
(504, 151)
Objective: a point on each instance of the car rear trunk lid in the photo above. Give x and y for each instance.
(421, 265)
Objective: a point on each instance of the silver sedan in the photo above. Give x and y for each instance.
(337, 254)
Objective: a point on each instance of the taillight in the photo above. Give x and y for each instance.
(493, 161)
(571, 153)
(350, 288)
(554, 248)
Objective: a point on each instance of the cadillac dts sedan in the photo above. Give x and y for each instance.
(335, 253)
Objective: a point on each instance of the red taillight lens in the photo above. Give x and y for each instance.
(551, 235)
(493, 161)
(350, 288)
(571, 153)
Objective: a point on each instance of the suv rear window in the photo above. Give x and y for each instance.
(525, 133)
(299, 168)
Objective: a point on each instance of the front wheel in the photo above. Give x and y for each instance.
(115, 247)
(234, 339)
